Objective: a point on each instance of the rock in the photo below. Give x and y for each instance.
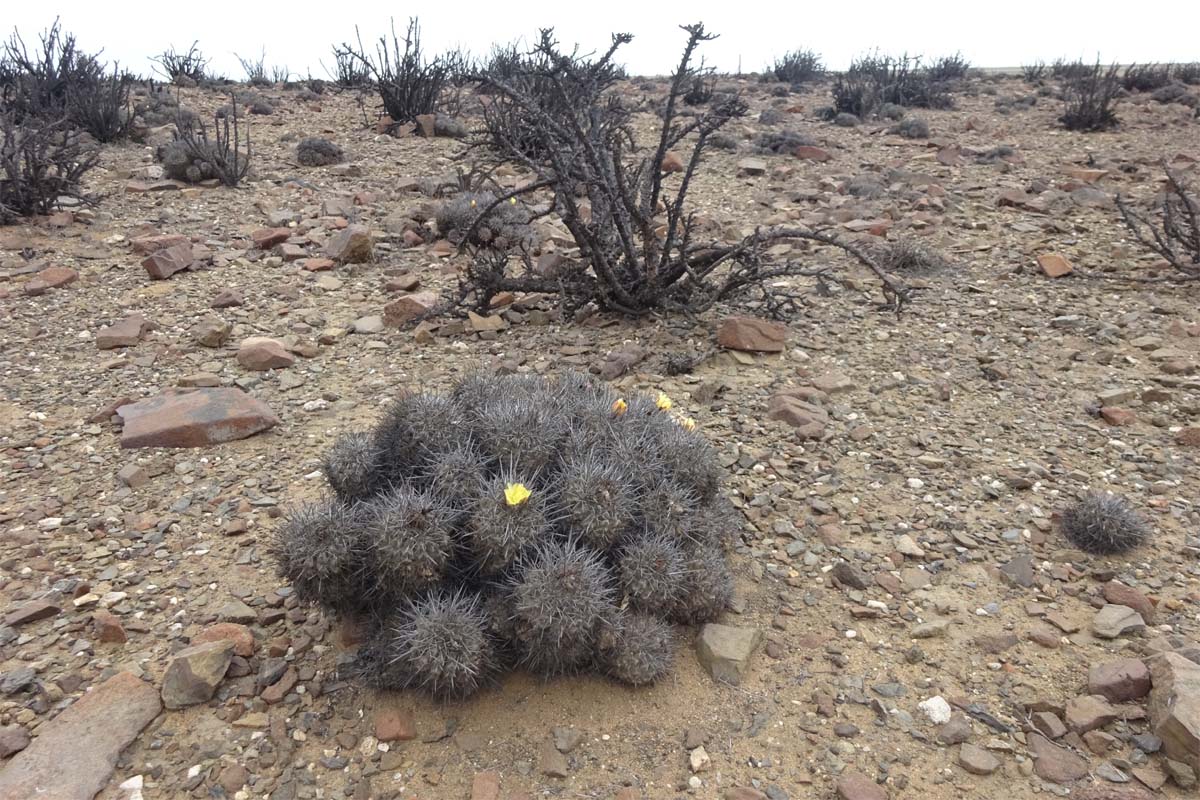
(1174, 707)
(1118, 417)
(1119, 594)
(698, 760)
(13, 739)
(832, 383)
(847, 574)
(725, 651)
(1018, 572)
(1089, 712)
(133, 475)
(551, 762)
(751, 166)
(232, 778)
(1188, 437)
(393, 725)
(930, 630)
(266, 238)
(936, 709)
(211, 331)
(743, 793)
(412, 306)
(1112, 621)
(195, 673)
(279, 689)
(976, 760)
(75, 753)
(125, 333)
(1048, 723)
(241, 637)
(261, 353)
(1107, 791)
(479, 322)
(809, 420)
(485, 786)
(810, 153)
(566, 739)
(50, 278)
(751, 334)
(1120, 681)
(856, 786)
(1183, 775)
(194, 418)
(620, 361)
(31, 612)
(956, 731)
(18, 680)
(165, 263)
(368, 325)
(351, 245)
(1054, 265)
(227, 298)
(1054, 763)
(107, 628)
(148, 245)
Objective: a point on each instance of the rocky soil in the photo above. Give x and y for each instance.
(909, 621)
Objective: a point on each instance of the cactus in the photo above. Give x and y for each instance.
(1104, 524)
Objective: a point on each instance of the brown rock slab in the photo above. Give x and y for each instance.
(407, 308)
(227, 298)
(125, 333)
(195, 673)
(551, 762)
(810, 153)
(808, 419)
(50, 278)
(147, 245)
(1120, 681)
(1054, 265)
(752, 335)
(194, 418)
(1113, 621)
(976, 760)
(352, 245)
(107, 628)
(856, 786)
(485, 786)
(75, 753)
(13, 739)
(393, 725)
(164, 263)
(1089, 712)
(1055, 763)
(1119, 594)
(31, 612)
(261, 353)
(266, 238)
(1118, 417)
(241, 636)
(725, 651)
(1174, 707)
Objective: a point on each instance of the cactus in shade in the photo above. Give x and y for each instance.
(516, 522)
(1103, 524)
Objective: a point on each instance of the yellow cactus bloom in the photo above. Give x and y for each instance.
(687, 423)
(619, 406)
(515, 494)
(663, 402)
(472, 204)
(512, 201)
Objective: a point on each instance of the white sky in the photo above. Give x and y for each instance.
(299, 33)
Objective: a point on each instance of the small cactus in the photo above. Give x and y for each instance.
(1104, 524)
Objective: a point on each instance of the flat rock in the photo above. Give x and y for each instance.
(1120, 681)
(752, 335)
(1055, 763)
(261, 353)
(31, 612)
(551, 762)
(1054, 265)
(75, 753)
(194, 418)
(976, 760)
(195, 673)
(725, 651)
(148, 245)
(393, 725)
(164, 263)
(405, 309)
(1113, 621)
(1089, 712)
(50, 278)
(856, 786)
(266, 238)
(810, 421)
(241, 636)
(125, 333)
(751, 166)
(13, 739)
(1174, 707)
(1018, 571)
(1119, 594)
(351, 245)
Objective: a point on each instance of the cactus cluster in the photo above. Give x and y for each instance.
(551, 525)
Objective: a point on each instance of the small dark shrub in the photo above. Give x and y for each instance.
(348, 72)
(1069, 70)
(1146, 77)
(782, 141)
(846, 120)
(40, 162)
(1175, 233)
(1104, 524)
(948, 68)
(724, 141)
(187, 68)
(874, 80)
(912, 257)
(1089, 98)
(408, 84)
(1035, 72)
(1188, 73)
(318, 152)
(795, 68)
(771, 116)
(701, 91)
(194, 157)
(892, 111)
(911, 128)
(1174, 93)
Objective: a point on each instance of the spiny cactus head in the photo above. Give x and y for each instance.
(1104, 524)
(637, 649)
(410, 539)
(498, 530)
(319, 549)
(351, 466)
(650, 571)
(707, 587)
(596, 500)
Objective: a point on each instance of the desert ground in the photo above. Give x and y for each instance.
(904, 549)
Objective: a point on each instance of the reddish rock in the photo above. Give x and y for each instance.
(743, 793)
(278, 690)
(318, 264)
(75, 753)
(671, 163)
(1054, 265)
(31, 612)
(808, 419)
(227, 298)
(1018, 198)
(810, 153)
(166, 262)
(407, 308)
(1118, 417)
(147, 245)
(108, 628)
(290, 252)
(1055, 763)
(427, 124)
(240, 635)
(485, 786)
(232, 778)
(108, 411)
(752, 334)
(1188, 437)
(402, 283)
(350, 246)
(195, 672)
(1089, 712)
(13, 739)
(1174, 707)
(261, 353)
(125, 333)
(50, 278)
(856, 786)
(1101, 790)
(1120, 681)
(266, 238)
(1119, 594)
(194, 418)
(392, 725)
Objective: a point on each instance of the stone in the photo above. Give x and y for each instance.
(976, 760)
(1119, 594)
(107, 628)
(13, 739)
(227, 298)
(1054, 265)
(832, 383)
(936, 709)
(279, 689)
(409, 307)
(956, 731)
(1113, 621)
(810, 153)
(752, 335)
(743, 793)
(31, 612)
(847, 574)
(479, 322)
(930, 630)
(1188, 437)
(194, 418)
(1089, 712)
(125, 333)
(50, 278)
(1055, 763)
(195, 673)
(725, 651)
(1120, 681)
(164, 263)
(485, 786)
(75, 753)
(368, 325)
(1108, 791)
(1048, 723)
(751, 166)
(1118, 417)
(211, 331)
(809, 420)
(856, 786)
(147, 245)
(232, 778)
(351, 245)
(261, 353)
(1183, 775)
(551, 762)
(240, 635)
(699, 760)
(1018, 572)
(266, 238)
(393, 725)
(1174, 707)
(566, 739)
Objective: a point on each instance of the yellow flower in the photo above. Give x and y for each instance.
(663, 402)
(512, 201)
(619, 406)
(515, 494)
(472, 204)
(687, 423)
